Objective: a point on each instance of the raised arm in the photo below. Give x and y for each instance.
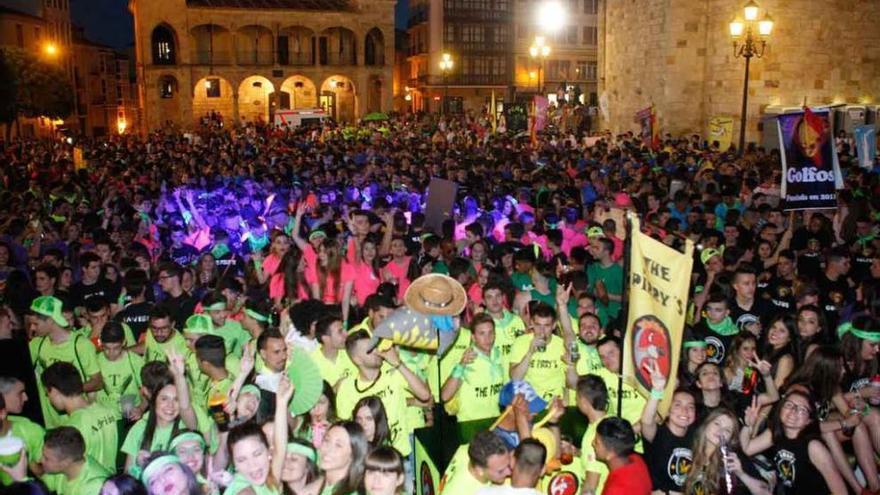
(178, 370)
(752, 445)
(417, 386)
(282, 398)
(649, 413)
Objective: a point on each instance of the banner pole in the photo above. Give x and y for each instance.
(624, 310)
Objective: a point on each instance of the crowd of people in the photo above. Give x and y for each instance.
(158, 296)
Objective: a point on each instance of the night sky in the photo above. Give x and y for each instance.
(109, 22)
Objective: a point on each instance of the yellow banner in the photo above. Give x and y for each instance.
(721, 130)
(659, 279)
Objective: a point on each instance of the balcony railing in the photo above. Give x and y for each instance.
(201, 57)
(296, 58)
(477, 15)
(254, 57)
(462, 80)
(481, 47)
(343, 58)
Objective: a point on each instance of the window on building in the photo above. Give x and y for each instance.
(104, 88)
(591, 35)
(19, 35)
(580, 69)
(592, 71)
(118, 91)
(571, 35)
(449, 33)
(212, 87)
(167, 87)
(591, 6)
(164, 52)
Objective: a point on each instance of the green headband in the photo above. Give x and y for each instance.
(257, 316)
(695, 343)
(845, 328)
(250, 388)
(157, 464)
(303, 450)
(217, 306)
(186, 437)
(317, 233)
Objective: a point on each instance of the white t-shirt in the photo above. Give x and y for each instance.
(507, 490)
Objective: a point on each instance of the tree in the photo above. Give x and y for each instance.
(39, 89)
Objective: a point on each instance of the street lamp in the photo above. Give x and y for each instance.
(445, 67)
(550, 16)
(540, 49)
(51, 49)
(747, 44)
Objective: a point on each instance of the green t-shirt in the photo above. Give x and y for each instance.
(522, 281)
(89, 480)
(477, 397)
(419, 362)
(162, 434)
(98, 425)
(30, 432)
(449, 360)
(239, 483)
(391, 388)
(331, 371)
(234, 337)
(459, 480)
(121, 377)
(507, 329)
(546, 371)
(155, 351)
(612, 276)
(76, 350)
(588, 457)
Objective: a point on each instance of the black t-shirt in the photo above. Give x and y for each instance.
(669, 459)
(780, 293)
(760, 312)
(185, 255)
(80, 292)
(861, 266)
(137, 317)
(717, 345)
(809, 264)
(795, 473)
(180, 308)
(833, 296)
(230, 265)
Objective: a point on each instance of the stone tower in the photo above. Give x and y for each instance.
(678, 55)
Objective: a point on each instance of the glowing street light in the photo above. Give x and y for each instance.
(550, 16)
(51, 49)
(747, 45)
(541, 49)
(445, 67)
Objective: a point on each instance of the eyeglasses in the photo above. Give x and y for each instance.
(801, 411)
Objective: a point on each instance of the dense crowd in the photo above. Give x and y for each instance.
(161, 299)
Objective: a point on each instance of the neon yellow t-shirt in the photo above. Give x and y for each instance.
(331, 371)
(31, 433)
(234, 337)
(477, 397)
(155, 351)
(391, 388)
(76, 350)
(128, 336)
(588, 362)
(632, 404)
(588, 457)
(546, 371)
(121, 377)
(162, 434)
(507, 329)
(419, 362)
(90, 479)
(98, 425)
(458, 479)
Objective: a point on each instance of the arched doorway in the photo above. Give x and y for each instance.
(164, 45)
(296, 46)
(374, 47)
(253, 46)
(298, 92)
(211, 45)
(339, 98)
(213, 94)
(168, 90)
(255, 95)
(337, 46)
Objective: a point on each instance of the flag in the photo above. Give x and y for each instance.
(866, 145)
(647, 119)
(721, 130)
(810, 172)
(819, 126)
(658, 301)
(493, 115)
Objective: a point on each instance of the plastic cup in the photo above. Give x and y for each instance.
(10, 450)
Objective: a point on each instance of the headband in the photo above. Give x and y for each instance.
(250, 388)
(869, 335)
(217, 306)
(257, 316)
(186, 437)
(303, 450)
(695, 343)
(317, 233)
(156, 464)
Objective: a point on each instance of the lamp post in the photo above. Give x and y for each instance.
(747, 44)
(445, 67)
(540, 49)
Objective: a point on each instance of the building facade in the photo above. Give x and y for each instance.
(244, 59)
(106, 102)
(489, 42)
(678, 55)
(572, 63)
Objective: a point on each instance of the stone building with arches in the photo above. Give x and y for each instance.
(245, 59)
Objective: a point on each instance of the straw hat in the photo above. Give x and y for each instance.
(436, 294)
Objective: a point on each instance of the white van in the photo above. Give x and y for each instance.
(302, 116)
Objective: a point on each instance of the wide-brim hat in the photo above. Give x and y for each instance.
(436, 294)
